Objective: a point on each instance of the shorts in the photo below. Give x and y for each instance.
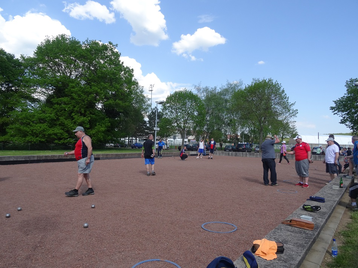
(331, 168)
(149, 161)
(83, 168)
(302, 168)
(211, 151)
(201, 151)
(353, 192)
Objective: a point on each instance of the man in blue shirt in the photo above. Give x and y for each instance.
(160, 148)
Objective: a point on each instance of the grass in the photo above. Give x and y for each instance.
(347, 253)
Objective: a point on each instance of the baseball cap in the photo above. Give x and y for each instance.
(79, 128)
(298, 137)
(330, 139)
(268, 137)
(284, 142)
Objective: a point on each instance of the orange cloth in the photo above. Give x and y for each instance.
(267, 249)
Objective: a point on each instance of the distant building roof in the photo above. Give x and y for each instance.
(343, 140)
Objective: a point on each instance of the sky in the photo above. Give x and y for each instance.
(310, 47)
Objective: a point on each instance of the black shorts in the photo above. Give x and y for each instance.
(353, 191)
(331, 168)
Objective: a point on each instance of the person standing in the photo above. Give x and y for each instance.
(148, 152)
(212, 146)
(354, 156)
(302, 152)
(160, 148)
(331, 158)
(201, 149)
(268, 160)
(85, 160)
(339, 147)
(283, 152)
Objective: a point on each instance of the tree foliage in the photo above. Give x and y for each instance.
(185, 111)
(13, 93)
(77, 84)
(220, 118)
(263, 108)
(346, 107)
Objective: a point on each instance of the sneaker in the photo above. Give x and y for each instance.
(197, 157)
(148, 174)
(72, 193)
(88, 192)
(275, 184)
(299, 184)
(305, 185)
(153, 173)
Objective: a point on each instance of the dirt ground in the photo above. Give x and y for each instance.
(138, 218)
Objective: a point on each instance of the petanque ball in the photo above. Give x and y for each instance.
(93, 206)
(7, 215)
(85, 225)
(19, 209)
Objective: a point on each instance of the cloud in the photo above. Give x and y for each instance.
(202, 39)
(21, 35)
(90, 11)
(205, 18)
(161, 90)
(261, 62)
(326, 117)
(303, 125)
(147, 21)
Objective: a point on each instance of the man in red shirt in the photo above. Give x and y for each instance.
(85, 159)
(302, 152)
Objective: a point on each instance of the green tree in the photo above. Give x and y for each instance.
(346, 107)
(263, 107)
(77, 84)
(185, 111)
(221, 119)
(13, 93)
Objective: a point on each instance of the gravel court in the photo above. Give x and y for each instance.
(136, 217)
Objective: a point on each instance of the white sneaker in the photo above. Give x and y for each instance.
(197, 157)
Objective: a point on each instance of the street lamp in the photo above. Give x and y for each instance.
(151, 100)
(156, 120)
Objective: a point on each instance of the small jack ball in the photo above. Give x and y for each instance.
(19, 209)
(7, 216)
(93, 206)
(85, 225)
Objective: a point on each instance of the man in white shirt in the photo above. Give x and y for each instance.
(331, 158)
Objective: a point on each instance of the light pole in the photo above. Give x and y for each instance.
(151, 99)
(156, 121)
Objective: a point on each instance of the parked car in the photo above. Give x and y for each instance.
(229, 148)
(317, 151)
(190, 147)
(242, 147)
(136, 145)
(257, 149)
(195, 146)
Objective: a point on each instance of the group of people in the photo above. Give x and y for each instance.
(201, 150)
(302, 151)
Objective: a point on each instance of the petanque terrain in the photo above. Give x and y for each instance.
(138, 218)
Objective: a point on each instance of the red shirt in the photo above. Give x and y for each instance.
(301, 150)
(81, 149)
